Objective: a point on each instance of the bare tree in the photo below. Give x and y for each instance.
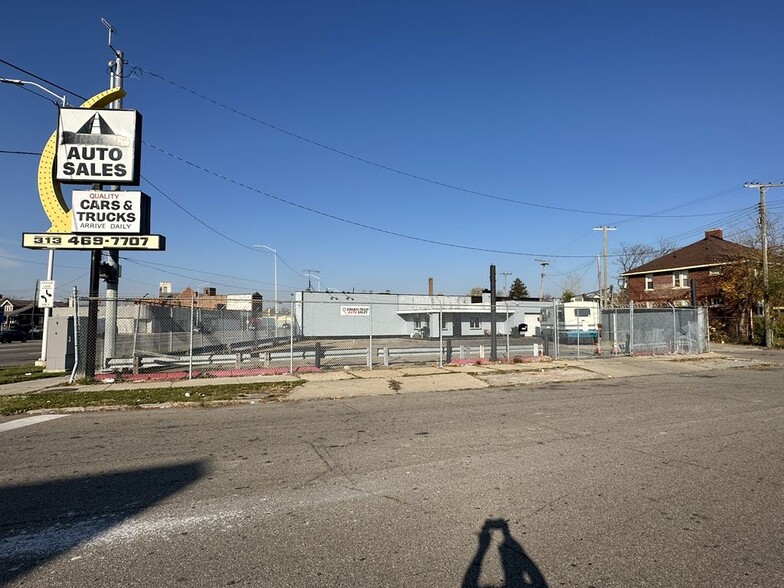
(632, 255)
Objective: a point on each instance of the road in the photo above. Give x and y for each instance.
(654, 481)
(18, 353)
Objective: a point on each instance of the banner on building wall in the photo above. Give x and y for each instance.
(354, 311)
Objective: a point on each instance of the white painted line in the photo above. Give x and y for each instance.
(28, 421)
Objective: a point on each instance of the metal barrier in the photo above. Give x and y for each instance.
(190, 337)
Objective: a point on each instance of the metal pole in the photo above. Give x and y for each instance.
(292, 324)
(91, 343)
(544, 265)
(276, 294)
(370, 349)
(113, 277)
(190, 344)
(50, 263)
(47, 311)
(76, 335)
(493, 342)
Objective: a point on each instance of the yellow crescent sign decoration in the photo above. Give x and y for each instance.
(49, 189)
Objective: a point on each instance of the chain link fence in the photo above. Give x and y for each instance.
(192, 338)
(642, 330)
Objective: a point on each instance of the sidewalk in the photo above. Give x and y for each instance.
(408, 379)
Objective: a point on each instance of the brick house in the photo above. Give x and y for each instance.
(667, 279)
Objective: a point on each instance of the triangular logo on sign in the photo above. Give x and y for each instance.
(96, 125)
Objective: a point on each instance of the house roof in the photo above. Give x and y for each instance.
(712, 250)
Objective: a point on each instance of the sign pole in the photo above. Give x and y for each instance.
(113, 269)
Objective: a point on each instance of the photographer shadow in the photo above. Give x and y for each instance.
(519, 570)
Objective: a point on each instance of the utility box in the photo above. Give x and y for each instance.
(60, 346)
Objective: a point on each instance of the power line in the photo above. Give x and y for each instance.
(421, 178)
(345, 220)
(40, 79)
(8, 152)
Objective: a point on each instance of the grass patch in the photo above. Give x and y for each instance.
(24, 373)
(69, 398)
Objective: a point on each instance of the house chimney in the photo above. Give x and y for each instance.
(430, 286)
(714, 233)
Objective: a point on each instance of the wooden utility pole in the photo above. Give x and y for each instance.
(602, 293)
(764, 236)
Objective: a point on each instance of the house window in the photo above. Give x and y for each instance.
(582, 312)
(715, 301)
(680, 279)
(649, 281)
(473, 322)
(715, 271)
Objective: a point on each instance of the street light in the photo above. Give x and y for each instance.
(50, 261)
(275, 253)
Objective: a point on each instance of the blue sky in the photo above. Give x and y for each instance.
(507, 130)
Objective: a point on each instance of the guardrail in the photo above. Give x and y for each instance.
(316, 355)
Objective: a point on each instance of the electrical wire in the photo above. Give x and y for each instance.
(345, 220)
(421, 178)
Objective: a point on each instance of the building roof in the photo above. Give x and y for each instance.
(712, 250)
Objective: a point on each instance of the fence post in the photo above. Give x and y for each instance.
(370, 348)
(190, 339)
(448, 351)
(631, 328)
(292, 326)
(385, 354)
(318, 354)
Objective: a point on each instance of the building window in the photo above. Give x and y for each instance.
(680, 279)
(649, 281)
(578, 312)
(417, 322)
(715, 271)
(473, 322)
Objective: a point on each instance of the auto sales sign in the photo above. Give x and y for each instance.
(98, 146)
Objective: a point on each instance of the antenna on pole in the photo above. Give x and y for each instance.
(111, 29)
(309, 273)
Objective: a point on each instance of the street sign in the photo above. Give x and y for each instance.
(45, 294)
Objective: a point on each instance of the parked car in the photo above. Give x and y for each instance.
(13, 334)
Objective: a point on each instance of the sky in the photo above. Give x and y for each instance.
(383, 143)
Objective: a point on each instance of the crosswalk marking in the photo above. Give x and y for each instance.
(18, 423)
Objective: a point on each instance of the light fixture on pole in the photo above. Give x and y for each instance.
(50, 262)
(275, 253)
(544, 263)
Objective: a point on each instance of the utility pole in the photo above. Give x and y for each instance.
(111, 271)
(506, 274)
(765, 275)
(544, 264)
(604, 229)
